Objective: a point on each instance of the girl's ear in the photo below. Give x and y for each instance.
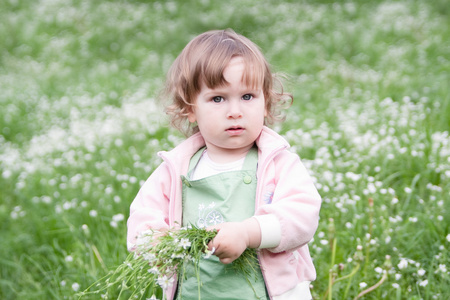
(191, 116)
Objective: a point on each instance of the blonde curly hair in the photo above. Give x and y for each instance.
(204, 60)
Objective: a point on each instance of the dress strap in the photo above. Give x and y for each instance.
(195, 159)
(251, 160)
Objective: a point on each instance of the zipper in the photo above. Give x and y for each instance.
(264, 165)
(263, 273)
(172, 290)
(173, 184)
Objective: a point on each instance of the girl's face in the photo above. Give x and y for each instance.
(230, 118)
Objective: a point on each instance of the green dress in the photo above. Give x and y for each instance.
(224, 197)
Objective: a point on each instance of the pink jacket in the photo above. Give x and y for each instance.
(284, 190)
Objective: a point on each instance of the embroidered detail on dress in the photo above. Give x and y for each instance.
(208, 216)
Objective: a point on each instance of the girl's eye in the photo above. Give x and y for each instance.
(217, 99)
(247, 97)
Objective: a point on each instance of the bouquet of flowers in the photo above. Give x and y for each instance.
(157, 259)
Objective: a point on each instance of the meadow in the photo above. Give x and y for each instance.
(80, 126)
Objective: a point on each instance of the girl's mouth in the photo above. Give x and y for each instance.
(235, 130)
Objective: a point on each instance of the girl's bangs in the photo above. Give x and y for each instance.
(252, 77)
(254, 73)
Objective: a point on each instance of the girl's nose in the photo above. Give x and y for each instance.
(234, 110)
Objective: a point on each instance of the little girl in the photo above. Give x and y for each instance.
(232, 174)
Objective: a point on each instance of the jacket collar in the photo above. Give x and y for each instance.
(270, 141)
(267, 142)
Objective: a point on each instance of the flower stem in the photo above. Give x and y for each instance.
(366, 291)
(331, 277)
(351, 279)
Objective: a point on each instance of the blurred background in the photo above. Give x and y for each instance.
(80, 127)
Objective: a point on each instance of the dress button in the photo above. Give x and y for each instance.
(185, 181)
(247, 179)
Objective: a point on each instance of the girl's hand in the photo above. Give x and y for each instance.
(233, 238)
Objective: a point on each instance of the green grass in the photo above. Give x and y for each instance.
(79, 132)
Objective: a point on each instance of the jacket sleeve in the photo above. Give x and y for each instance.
(295, 203)
(150, 208)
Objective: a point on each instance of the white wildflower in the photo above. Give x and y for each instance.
(442, 268)
(395, 285)
(75, 286)
(208, 252)
(421, 272)
(362, 285)
(165, 282)
(402, 264)
(150, 257)
(144, 238)
(177, 255)
(424, 283)
(118, 217)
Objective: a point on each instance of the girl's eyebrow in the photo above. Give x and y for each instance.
(219, 91)
(225, 88)
(213, 91)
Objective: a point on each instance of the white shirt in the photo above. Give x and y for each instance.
(206, 167)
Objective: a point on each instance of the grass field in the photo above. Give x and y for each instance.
(80, 127)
